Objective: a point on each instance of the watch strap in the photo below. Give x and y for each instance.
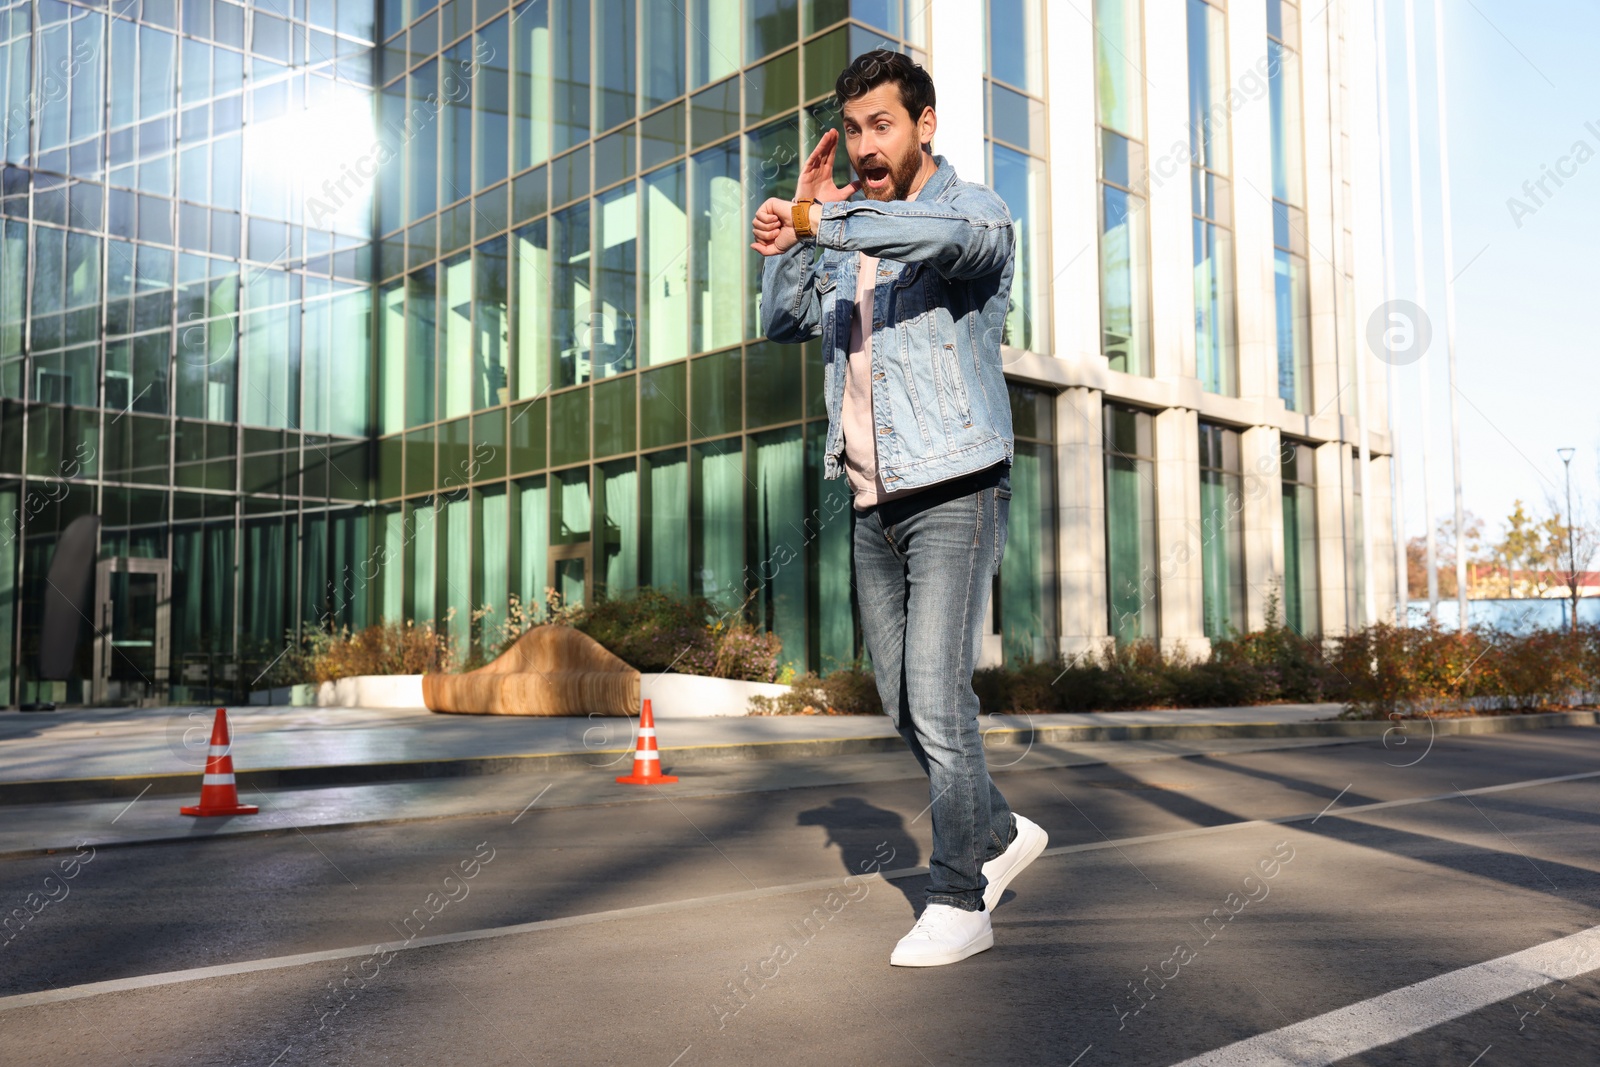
(801, 217)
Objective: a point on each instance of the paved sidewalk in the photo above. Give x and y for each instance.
(117, 754)
(98, 743)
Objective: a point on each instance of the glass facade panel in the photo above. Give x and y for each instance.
(1124, 260)
(1221, 531)
(777, 510)
(664, 311)
(1301, 605)
(716, 516)
(717, 248)
(616, 490)
(664, 520)
(1216, 340)
(1291, 290)
(1132, 587)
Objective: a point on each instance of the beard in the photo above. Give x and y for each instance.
(902, 172)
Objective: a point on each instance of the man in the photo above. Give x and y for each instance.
(908, 294)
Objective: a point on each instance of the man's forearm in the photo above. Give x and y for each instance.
(957, 243)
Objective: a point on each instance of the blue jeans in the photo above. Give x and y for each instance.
(923, 570)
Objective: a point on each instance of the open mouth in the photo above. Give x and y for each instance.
(876, 177)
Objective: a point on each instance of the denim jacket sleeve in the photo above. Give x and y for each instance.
(966, 236)
(790, 310)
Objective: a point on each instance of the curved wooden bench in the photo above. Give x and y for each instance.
(551, 670)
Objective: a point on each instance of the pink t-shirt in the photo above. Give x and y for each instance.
(855, 419)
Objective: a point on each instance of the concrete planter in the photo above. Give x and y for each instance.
(671, 696)
(372, 691)
(692, 696)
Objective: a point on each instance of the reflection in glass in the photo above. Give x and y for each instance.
(570, 82)
(611, 322)
(773, 153)
(491, 96)
(1221, 531)
(455, 343)
(533, 526)
(718, 247)
(1118, 63)
(1301, 608)
(617, 546)
(1015, 44)
(1131, 588)
(530, 84)
(532, 322)
(664, 526)
(1020, 181)
(617, 84)
(569, 298)
(569, 507)
(778, 536)
(716, 510)
(1124, 281)
(713, 40)
(665, 312)
(422, 144)
(489, 324)
(491, 558)
(1291, 301)
(663, 51)
(420, 305)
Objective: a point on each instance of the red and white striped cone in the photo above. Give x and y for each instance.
(646, 759)
(218, 794)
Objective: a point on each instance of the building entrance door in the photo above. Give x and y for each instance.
(133, 606)
(569, 572)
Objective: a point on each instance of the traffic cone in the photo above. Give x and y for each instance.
(218, 795)
(646, 760)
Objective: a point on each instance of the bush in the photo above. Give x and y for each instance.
(848, 690)
(1423, 670)
(383, 648)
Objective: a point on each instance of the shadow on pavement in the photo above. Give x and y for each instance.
(870, 839)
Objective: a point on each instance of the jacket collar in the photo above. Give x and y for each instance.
(941, 180)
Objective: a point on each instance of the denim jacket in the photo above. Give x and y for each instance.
(939, 401)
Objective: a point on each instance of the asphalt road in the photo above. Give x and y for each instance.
(1171, 920)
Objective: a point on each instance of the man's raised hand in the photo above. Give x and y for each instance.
(816, 177)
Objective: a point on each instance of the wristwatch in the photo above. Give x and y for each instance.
(801, 215)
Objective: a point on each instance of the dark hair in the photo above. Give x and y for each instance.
(880, 66)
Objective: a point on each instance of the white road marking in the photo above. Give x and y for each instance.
(272, 963)
(1390, 1017)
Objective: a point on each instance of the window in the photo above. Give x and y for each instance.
(1024, 598)
(1301, 611)
(1014, 89)
(1221, 531)
(1216, 340)
(1291, 284)
(1124, 227)
(1131, 583)
(1355, 558)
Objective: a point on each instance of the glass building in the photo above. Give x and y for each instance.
(337, 312)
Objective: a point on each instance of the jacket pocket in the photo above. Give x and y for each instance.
(950, 375)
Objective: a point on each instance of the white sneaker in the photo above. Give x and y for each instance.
(944, 934)
(1023, 850)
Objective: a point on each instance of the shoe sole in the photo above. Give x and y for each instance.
(982, 943)
(1030, 852)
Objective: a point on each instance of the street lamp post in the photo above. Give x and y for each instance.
(1572, 556)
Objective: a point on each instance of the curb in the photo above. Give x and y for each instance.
(56, 790)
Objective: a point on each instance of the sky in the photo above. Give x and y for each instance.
(1523, 90)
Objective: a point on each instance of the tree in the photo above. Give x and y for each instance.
(1571, 547)
(1525, 548)
(1445, 556)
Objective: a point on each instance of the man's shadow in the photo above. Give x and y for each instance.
(870, 839)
